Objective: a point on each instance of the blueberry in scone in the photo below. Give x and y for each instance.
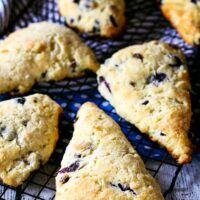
(42, 52)
(184, 15)
(28, 135)
(96, 17)
(149, 86)
(99, 163)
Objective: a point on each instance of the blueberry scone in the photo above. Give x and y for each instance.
(184, 15)
(28, 135)
(96, 17)
(148, 85)
(42, 52)
(99, 163)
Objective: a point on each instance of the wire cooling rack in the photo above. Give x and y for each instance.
(144, 22)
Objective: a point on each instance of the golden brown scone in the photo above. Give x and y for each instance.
(28, 135)
(184, 15)
(100, 164)
(149, 86)
(42, 52)
(96, 17)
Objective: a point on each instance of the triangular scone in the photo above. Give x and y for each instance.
(97, 17)
(42, 52)
(148, 85)
(99, 163)
(184, 15)
(28, 135)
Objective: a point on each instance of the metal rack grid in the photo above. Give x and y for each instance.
(144, 23)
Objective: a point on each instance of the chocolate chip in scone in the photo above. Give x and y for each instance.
(96, 27)
(132, 83)
(194, 1)
(73, 65)
(21, 100)
(90, 4)
(138, 55)
(177, 62)
(2, 129)
(123, 188)
(43, 75)
(71, 168)
(113, 21)
(79, 17)
(77, 155)
(25, 122)
(145, 102)
(76, 1)
(156, 78)
(97, 21)
(114, 8)
(64, 179)
(103, 80)
(162, 134)
(71, 21)
(35, 100)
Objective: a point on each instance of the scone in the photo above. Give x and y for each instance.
(42, 52)
(184, 15)
(148, 85)
(96, 17)
(28, 135)
(99, 163)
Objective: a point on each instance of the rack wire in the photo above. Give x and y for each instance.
(144, 23)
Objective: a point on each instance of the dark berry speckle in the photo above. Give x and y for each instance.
(177, 62)
(71, 21)
(76, 1)
(25, 123)
(73, 65)
(96, 28)
(162, 134)
(132, 83)
(43, 75)
(2, 129)
(103, 80)
(157, 78)
(145, 102)
(194, 1)
(138, 55)
(72, 168)
(113, 21)
(123, 188)
(21, 100)
(64, 179)
(79, 17)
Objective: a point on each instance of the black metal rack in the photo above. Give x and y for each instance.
(144, 22)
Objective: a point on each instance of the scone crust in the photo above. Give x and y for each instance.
(99, 17)
(42, 52)
(28, 135)
(185, 17)
(149, 86)
(103, 161)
